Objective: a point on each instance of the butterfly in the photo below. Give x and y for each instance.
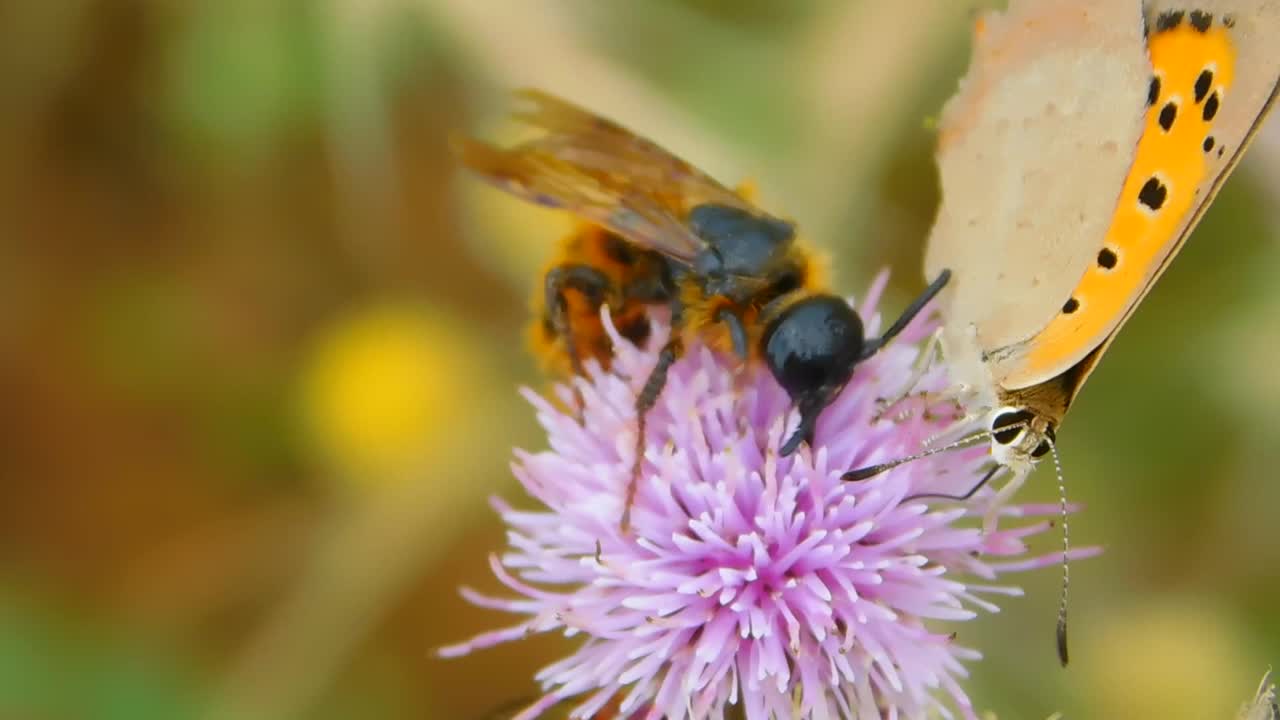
(1263, 706)
(1083, 146)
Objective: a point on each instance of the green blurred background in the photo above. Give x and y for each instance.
(260, 345)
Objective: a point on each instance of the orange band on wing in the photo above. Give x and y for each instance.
(1193, 74)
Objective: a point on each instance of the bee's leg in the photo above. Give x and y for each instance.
(594, 285)
(650, 286)
(637, 295)
(737, 331)
(647, 398)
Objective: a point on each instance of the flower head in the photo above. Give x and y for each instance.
(745, 578)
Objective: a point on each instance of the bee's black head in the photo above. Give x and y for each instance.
(811, 348)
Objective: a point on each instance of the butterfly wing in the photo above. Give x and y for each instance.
(1032, 153)
(597, 169)
(1264, 705)
(1213, 79)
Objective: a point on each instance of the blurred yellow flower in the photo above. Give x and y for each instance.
(381, 388)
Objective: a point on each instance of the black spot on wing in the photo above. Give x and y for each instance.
(1071, 306)
(1153, 92)
(1107, 258)
(1153, 194)
(1169, 20)
(1203, 83)
(1208, 143)
(1201, 20)
(1210, 107)
(1168, 114)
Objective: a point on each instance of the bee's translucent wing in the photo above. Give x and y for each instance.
(599, 170)
(597, 143)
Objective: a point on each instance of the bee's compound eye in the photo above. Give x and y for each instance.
(1007, 427)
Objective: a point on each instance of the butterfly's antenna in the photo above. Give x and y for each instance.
(873, 470)
(1066, 549)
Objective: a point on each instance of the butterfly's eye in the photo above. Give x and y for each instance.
(1047, 444)
(1007, 437)
(1007, 427)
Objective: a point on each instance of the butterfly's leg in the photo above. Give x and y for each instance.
(1002, 497)
(986, 478)
(647, 398)
(923, 364)
(873, 346)
(960, 400)
(594, 286)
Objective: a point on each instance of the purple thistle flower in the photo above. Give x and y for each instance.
(748, 579)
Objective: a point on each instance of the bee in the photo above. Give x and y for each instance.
(731, 274)
(594, 266)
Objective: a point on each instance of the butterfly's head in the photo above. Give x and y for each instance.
(1020, 437)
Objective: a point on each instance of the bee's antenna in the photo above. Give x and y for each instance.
(872, 346)
(873, 470)
(1066, 549)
